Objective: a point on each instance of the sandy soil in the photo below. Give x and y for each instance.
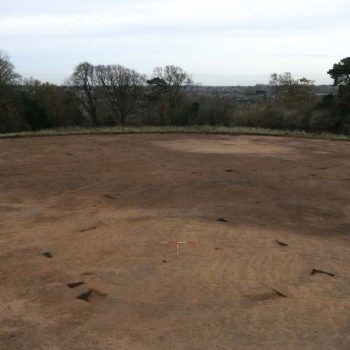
(99, 206)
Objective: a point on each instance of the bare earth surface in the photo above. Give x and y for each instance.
(101, 205)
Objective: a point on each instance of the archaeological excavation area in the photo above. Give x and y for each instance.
(90, 257)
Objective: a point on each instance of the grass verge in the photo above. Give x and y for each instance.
(174, 129)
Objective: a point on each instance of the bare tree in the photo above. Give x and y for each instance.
(9, 119)
(292, 92)
(122, 88)
(83, 78)
(8, 76)
(168, 89)
(174, 80)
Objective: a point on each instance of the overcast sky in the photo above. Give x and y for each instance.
(227, 42)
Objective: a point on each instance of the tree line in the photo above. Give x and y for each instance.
(108, 95)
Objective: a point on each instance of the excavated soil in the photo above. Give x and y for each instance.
(92, 211)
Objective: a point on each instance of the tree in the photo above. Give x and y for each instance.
(168, 84)
(8, 76)
(123, 88)
(84, 79)
(9, 116)
(293, 93)
(45, 105)
(340, 72)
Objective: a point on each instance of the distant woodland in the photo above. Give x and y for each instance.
(108, 95)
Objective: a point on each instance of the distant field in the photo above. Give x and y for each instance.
(173, 129)
(82, 219)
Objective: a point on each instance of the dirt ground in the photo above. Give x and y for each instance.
(263, 213)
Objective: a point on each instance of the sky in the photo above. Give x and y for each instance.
(219, 42)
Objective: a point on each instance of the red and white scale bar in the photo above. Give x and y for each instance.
(177, 244)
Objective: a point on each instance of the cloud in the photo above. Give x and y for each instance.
(206, 37)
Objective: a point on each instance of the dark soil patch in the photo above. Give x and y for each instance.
(110, 197)
(315, 271)
(222, 220)
(282, 244)
(75, 284)
(91, 296)
(261, 297)
(280, 294)
(89, 229)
